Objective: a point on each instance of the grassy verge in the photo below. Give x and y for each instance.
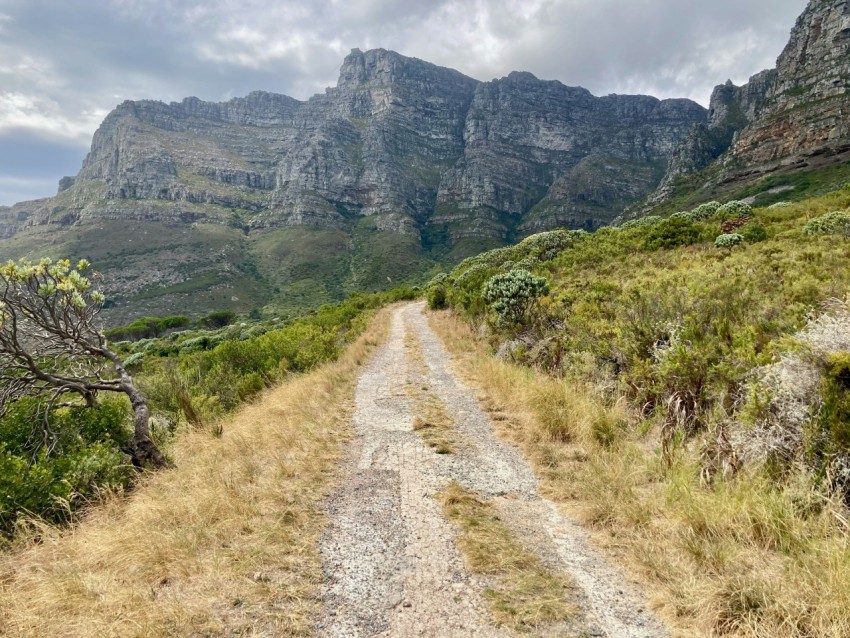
(526, 595)
(430, 418)
(224, 545)
(749, 557)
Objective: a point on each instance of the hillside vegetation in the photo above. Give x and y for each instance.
(192, 378)
(226, 544)
(683, 383)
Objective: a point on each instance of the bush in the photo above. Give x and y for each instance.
(734, 210)
(545, 246)
(512, 296)
(147, 328)
(704, 211)
(439, 278)
(779, 205)
(683, 214)
(672, 233)
(835, 223)
(754, 233)
(51, 479)
(728, 241)
(134, 360)
(218, 319)
(640, 222)
(437, 297)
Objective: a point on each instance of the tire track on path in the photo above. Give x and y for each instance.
(390, 557)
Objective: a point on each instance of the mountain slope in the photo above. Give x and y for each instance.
(402, 164)
(790, 119)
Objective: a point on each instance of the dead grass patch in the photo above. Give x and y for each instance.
(224, 545)
(747, 558)
(526, 595)
(431, 420)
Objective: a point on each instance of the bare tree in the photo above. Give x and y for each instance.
(52, 345)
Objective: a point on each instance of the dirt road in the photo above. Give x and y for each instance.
(391, 559)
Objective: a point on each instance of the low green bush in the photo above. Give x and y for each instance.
(834, 223)
(672, 233)
(734, 210)
(50, 473)
(513, 295)
(704, 211)
(729, 240)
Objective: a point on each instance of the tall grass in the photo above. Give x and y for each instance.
(744, 557)
(224, 545)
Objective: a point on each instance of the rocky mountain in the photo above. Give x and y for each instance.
(402, 165)
(793, 118)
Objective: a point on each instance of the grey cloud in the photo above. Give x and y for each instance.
(63, 65)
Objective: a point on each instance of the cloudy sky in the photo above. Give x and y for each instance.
(64, 64)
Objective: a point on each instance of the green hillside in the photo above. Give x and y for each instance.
(684, 382)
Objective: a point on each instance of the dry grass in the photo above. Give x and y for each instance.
(746, 558)
(431, 420)
(526, 595)
(224, 545)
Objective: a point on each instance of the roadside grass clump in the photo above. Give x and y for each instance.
(525, 595)
(834, 223)
(430, 418)
(226, 544)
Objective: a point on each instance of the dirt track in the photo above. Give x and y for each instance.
(389, 555)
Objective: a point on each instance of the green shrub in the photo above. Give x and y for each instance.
(728, 241)
(734, 210)
(51, 476)
(704, 211)
(512, 296)
(672, 233)
(834, 223)
(437, 297)
(754, 233)
(545, 246)
(147, 328)
(217, 319)
(779, 205)
(640, 222)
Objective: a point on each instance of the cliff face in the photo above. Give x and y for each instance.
(402, 164)
(807, 107)
(792, 117)
(408, 144)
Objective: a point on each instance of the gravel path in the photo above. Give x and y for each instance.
(389, 556)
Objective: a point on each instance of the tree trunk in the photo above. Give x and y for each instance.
(141, 448)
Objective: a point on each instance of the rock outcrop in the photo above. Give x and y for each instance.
(791, 117)
(417, 148)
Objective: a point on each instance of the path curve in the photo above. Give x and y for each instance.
(389, 556)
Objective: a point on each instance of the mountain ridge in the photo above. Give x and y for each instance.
(405, 166)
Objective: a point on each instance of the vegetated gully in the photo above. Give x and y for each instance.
(391, 558)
